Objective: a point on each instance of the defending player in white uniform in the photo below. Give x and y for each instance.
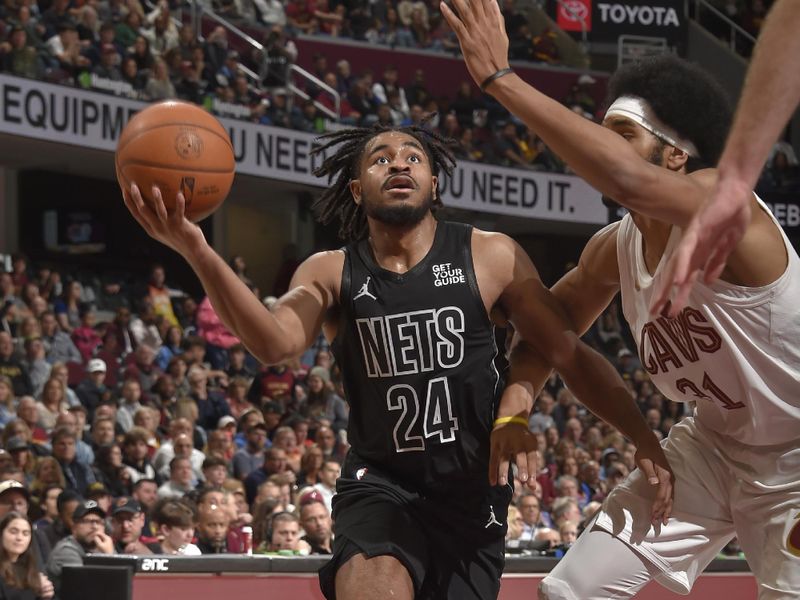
(734, 351)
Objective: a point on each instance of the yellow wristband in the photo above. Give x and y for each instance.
(506, 420)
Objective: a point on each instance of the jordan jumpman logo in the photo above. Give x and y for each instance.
(492, 519)
(364, 291)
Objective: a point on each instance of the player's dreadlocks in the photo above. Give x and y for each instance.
(337, 201)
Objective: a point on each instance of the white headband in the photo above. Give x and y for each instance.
(639, 111)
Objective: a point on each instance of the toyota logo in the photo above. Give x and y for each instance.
(578, 10)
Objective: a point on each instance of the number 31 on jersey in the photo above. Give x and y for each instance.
(438, 422)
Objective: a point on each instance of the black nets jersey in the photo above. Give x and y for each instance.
(417, 352)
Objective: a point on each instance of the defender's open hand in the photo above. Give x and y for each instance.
(481, 32)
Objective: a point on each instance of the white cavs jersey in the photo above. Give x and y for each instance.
(734, 351)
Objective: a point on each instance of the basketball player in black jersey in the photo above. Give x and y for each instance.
(407, 308)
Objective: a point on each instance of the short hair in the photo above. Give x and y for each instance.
(174, 462)
(139, 483)
(135, 435)
(66, 496)
(173, 512)
(101, 420)
(561, 506)
(561, 479)
(63, 432)
(684, 97)
(336, 202)
(214, 461)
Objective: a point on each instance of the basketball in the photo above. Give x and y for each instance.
(177, 147)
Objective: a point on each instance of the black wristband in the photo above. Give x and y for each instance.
(494, 76)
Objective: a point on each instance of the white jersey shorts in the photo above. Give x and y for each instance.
(722, 489)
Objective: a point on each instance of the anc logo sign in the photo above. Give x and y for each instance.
(793, 539)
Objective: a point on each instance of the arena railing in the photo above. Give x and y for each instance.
(199, 10)
(736, 33)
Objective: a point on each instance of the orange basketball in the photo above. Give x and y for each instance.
(178, 147)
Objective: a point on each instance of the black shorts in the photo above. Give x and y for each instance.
(452, 546)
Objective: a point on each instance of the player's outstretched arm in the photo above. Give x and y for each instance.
(583, 294)
(770, 96)
(599, 155)
(543, 325)
(272, 336)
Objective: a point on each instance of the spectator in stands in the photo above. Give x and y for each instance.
(35, 363)
(109, 63)
(551, 536)
(85, 337)
(215, 472)
(275, 382)
(180, 480)
(163, 36)
(507, 147)
(14, 497)
(330, 472)
(58, 345)
(212, 529)
(46, 472)
(127, 524)
(78, 475)
(7, 412)
(48, 536)
(251, 457)
(48, 504)
(68, 307)
(530, 510)
(74, 420)
(102, 433)
(183, 447)
(145, 492)
(130, 74)
(279, 53)
(322, 402)
(211, 405)
(12, 367)
(135, 455)
(270, 12)
(100, 494)
(28, 413)
(274, 462)
(568, 532)
(310, 466)
(129, 403)
(565, 508)
(53, 401)
(236, 394)
(108, 467)
(216, 335)
(545, 48)
(65, 48)
(394, 32)
(87, 535)
(325, 438)
(18, 57)
(174, 520)
(159, 86)
(105, 35)
(316, 522)
(92, 391)
(142, 367)
(19, 574)
(159, 293)
(284, 534)
(21, 457)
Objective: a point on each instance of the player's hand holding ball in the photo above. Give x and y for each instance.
(175, 166)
